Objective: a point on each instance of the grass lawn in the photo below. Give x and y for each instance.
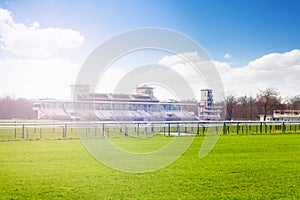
(239, 167)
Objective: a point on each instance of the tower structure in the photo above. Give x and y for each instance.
(78, 90)
(206, 108)
(144, 90)
(206, 97)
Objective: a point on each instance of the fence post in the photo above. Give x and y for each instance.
(23, 131)
(283, 127)
(237, 128)
(26, 133)
(107, 132)
(169, 129)
(260, 128)
(146, 130)
(40, 134)
(126, 131)
(15, 130)
(224, 128)
(266, 128)
(63, 132)
(65, 136)
(103, 130)
(152, 129)
(198, 128)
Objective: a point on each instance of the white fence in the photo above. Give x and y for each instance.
(70, 129)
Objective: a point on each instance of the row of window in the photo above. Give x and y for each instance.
(109, 106)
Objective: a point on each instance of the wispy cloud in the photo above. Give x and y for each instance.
(227, 56)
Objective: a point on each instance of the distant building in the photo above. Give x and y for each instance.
(286, 115)
(282, 115)
(268, 118)
(206, 107)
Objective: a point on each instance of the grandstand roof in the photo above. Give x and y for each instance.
(115, 97)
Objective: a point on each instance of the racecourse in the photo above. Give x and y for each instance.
(263, 166)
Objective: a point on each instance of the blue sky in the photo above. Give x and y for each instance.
(244, 30)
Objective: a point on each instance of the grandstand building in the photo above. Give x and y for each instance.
(141, 106)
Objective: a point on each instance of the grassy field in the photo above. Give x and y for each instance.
(239, 167)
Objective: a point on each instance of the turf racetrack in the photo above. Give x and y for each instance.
(239, 167)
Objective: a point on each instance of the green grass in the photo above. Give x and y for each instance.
(239, 167)
(36, 133)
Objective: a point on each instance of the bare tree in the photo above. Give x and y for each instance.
(230, 103)
(295, 102)
(243, 107)
(268, 99)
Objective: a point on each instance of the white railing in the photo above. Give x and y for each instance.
(69, 129)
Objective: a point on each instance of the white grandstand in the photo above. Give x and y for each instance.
(141, 106)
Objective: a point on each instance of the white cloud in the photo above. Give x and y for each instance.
(31, 40)
(227, 56)
(170, 60)
(38, 74)
(197, 70)
(277, 70)
(276, 60)
(222, 67)
(33, 78)
(110, 80)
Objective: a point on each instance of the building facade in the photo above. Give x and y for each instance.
(282, 115)
(140, 106)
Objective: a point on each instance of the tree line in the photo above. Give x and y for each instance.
(20, 108)
(264, 103)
